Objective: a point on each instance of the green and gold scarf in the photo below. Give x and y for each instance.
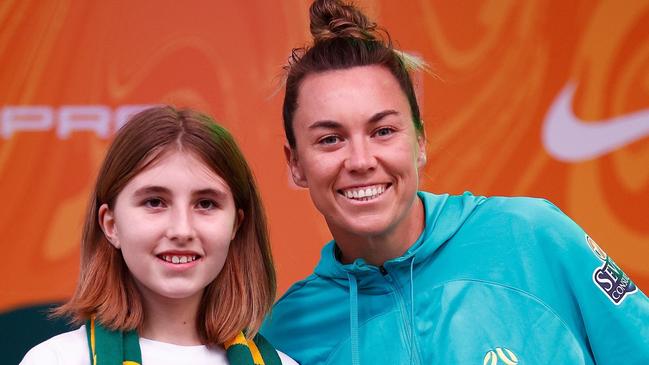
(123, 348)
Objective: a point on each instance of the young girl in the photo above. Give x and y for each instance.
(175, 263)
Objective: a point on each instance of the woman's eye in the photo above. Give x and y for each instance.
(329, 140)
(206, 204)
(384, 132)
(154, 203)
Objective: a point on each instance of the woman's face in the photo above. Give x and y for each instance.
(173, 223)
(357, 150)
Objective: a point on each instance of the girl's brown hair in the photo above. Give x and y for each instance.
(343, 37)
(244, 290)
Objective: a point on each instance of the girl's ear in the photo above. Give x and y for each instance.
(107, 224)
(294, 166)
(237, 223)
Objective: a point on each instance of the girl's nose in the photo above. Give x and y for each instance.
(181, 227)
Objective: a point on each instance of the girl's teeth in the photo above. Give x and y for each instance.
(178, 259)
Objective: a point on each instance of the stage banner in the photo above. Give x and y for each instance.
(537, 98)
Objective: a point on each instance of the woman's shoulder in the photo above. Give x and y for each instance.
(526, 216)
(67, 348)
(521, 206)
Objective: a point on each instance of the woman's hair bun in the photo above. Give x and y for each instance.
(335, 19)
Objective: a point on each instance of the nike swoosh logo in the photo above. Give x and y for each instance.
(570, 139)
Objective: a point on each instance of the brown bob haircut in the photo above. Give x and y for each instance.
(343, 37)
(242, 293)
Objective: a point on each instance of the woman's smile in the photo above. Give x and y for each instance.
(364, 193)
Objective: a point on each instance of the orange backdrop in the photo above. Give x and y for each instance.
(542, 98)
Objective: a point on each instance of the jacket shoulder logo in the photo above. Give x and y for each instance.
(609, 278)
(596, 249)
(613, 281)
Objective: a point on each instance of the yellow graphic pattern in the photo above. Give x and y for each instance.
(505, 355)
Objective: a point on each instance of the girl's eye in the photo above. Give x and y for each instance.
(154, 203)
(382, 132)
(206, 204)
(329, 140)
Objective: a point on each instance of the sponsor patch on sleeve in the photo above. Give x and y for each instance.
(609, 278)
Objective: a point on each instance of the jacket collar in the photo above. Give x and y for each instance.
(444, 216)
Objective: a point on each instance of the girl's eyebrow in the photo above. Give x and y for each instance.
(209, 191)
(151, 189)
(154, 189)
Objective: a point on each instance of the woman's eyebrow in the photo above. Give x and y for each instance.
(332, 124)
(325, 124)
(380, 115)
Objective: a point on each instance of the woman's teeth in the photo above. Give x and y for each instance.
(365, 194)
(178, 259)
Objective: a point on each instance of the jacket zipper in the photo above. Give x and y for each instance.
(405, 318)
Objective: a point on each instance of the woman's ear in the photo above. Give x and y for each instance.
(294, 166)
(107, 223)
(421, 157)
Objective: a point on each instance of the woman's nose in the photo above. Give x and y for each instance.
(360, 157)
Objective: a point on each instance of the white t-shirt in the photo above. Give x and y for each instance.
(71, 348)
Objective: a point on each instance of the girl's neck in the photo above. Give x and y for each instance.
(171, 320)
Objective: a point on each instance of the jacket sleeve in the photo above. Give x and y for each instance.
(614, 311)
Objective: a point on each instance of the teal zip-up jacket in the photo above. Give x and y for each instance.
(489, 281)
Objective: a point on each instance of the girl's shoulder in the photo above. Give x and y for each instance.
(67, 348)
(71, 348)
(162, 353)
(286, 360)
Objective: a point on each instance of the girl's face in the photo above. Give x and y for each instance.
(357, 150)
(173, 223)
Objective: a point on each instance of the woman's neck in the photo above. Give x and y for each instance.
(379, 248)
(171, 320)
